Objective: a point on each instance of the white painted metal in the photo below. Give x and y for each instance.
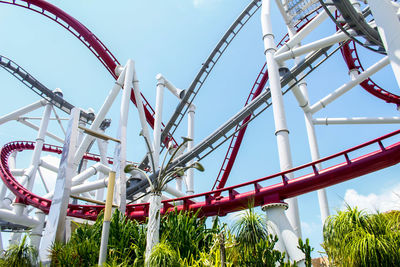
(142, 117)
(39, 145)
(55, 225)
(172, 191)
(279, 222)
(35, 127)
(36, 233)
(158, 119)
(281, 130)
(349, 85)
(298, 37)
(17, 212)
(89, 186)
(99, 118)
(190, 172)
(48, 166)
(301, 93)
(122, 133)
(14, 115)
(322, 43)
(388, 26)
(102, 146)
(86, 174)
(13, 217)
(356, 120)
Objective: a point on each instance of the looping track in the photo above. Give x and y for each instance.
(223, 200)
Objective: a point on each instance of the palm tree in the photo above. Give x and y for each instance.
(250, 229)
(164, 176)
(355, 238)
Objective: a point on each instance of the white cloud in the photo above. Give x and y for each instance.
(309, 229)
(389, 199)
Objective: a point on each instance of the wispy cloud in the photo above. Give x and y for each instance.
(389, 199)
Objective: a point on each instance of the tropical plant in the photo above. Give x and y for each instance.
(187, 233)
(163, 255)
(355, 238)
(306, 249)
(163, 177)
(126, 244)
(20, 255)
(250, 229)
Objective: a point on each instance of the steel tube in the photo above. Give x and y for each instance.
(16, 114)
(355, 120)
(349, 85)
(281, 130)
(99, 117)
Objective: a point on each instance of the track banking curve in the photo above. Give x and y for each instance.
(229, 199)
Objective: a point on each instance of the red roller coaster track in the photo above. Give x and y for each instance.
(223, 200)
(229, 199)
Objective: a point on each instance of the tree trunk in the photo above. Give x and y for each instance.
(153, 225)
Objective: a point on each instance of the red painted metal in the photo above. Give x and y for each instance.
(232, 198)
(350, 55)
(89, 39)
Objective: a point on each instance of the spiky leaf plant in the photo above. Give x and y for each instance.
(20, 255)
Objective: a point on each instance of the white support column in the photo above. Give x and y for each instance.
(301, 93)
(158, 119)
(39, 145)
(142, 116)
(283, 229)
(190, 173)
(17, 212)
(281, 130)
(122, 136)
(102, 145)
(388, 26)
(99, 118)
(36, 233)
(55, 226)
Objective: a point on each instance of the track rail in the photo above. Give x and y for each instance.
(350, 55)
(231, 198)
(37, 87)
(89, 39)
(237, 138)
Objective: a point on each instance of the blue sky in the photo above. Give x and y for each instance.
(173, 38)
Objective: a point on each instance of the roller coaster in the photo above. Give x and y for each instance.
(356, 28)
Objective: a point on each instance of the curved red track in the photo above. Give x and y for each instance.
(223, 200)
(229, 199)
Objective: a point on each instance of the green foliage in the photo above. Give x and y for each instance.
(306, 249)
(354, 238)
(126, 244)
(250, 229)
(22, 255)
(163, 255)
(187, 233)
(185, 241)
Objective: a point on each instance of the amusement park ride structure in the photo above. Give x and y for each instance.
(372, 25)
